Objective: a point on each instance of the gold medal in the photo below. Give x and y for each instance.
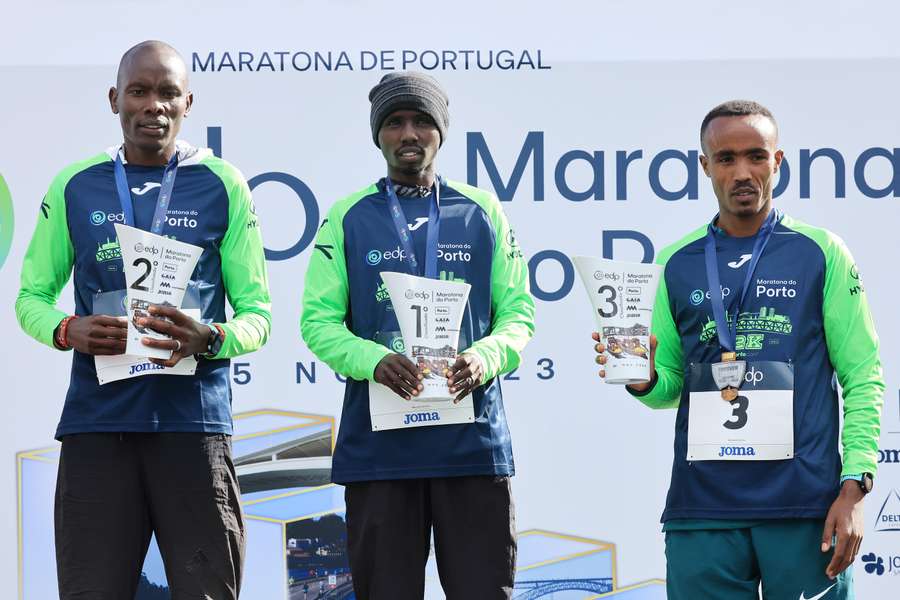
(729, 394)
(729, 356)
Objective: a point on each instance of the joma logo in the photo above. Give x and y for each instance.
(421, 417)
(737, 451)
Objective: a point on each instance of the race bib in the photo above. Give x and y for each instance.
(756, 425)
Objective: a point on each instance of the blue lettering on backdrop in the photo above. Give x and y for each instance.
(532, 151)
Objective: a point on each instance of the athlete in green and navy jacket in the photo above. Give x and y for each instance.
(210, 207)
(804, 313)
(806, 305)
(349, 323)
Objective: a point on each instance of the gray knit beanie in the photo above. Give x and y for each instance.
(409, 90)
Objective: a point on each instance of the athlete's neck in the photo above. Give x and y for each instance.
(743, 226)
(148, 158)
(424, 178)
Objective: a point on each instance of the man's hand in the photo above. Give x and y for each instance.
(601, 359)
(189, 337)
(464, 375)
(98, 335)
(844, 520)
(398, 373)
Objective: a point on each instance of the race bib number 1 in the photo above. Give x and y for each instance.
(756, 425)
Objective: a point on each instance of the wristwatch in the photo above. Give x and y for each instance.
(864, 480)
(214, 343)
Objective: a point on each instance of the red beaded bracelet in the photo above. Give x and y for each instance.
(62, 333)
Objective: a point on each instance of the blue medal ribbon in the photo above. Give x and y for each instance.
(162, 202)
(728, 331)
(431, 238)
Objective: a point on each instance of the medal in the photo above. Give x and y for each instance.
(728, 375)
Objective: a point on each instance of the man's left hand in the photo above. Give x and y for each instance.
(464, 375)
(844, 520)
(189, 337)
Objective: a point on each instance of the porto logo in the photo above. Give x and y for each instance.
(421, 417)
(373, 257)
(697, 297)
(889, 516)
(98, 217)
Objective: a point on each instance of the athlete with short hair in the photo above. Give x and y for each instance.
(453, 478)
(756, 315)
(148, 454)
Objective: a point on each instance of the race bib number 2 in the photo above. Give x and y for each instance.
(757, 425)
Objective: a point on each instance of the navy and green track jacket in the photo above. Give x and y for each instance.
(806, 305)
(210, 207)
(348, 322)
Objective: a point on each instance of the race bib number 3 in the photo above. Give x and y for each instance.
(757, 425)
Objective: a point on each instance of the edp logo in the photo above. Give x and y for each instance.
(753, 376)
(373, 257)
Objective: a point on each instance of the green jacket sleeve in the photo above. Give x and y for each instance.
(853, 350)
(512, 307)
(669, 358)
(326, 297)
(243, 269)
(46, 268)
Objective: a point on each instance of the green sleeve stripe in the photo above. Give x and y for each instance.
(512, 307)
(852, 348)
(326, 297)
(49, 258)
(244, 274)
(669, 358)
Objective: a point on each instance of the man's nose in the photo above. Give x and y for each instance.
(154, 105)
(408, 133)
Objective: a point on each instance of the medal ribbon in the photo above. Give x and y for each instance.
(162, 202)
(728, 331)
(431, 236)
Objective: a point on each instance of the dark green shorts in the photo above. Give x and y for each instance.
(730, 564)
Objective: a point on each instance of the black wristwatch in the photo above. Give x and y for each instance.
(866, 483)
(214, 343)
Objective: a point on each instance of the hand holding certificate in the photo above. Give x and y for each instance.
(157, 270)
(622, 295)
(429, 312)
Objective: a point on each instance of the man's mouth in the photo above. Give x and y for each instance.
(153, 128)
(409, 153)
(744, 194)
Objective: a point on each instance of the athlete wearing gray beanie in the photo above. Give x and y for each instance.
(409, 90)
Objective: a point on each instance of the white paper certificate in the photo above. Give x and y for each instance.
(157, 270)
(430, 313)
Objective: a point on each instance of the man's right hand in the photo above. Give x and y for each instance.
(602, 358)
(398, 373)
(98, 335)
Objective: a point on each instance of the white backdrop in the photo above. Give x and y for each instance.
(591, 461)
